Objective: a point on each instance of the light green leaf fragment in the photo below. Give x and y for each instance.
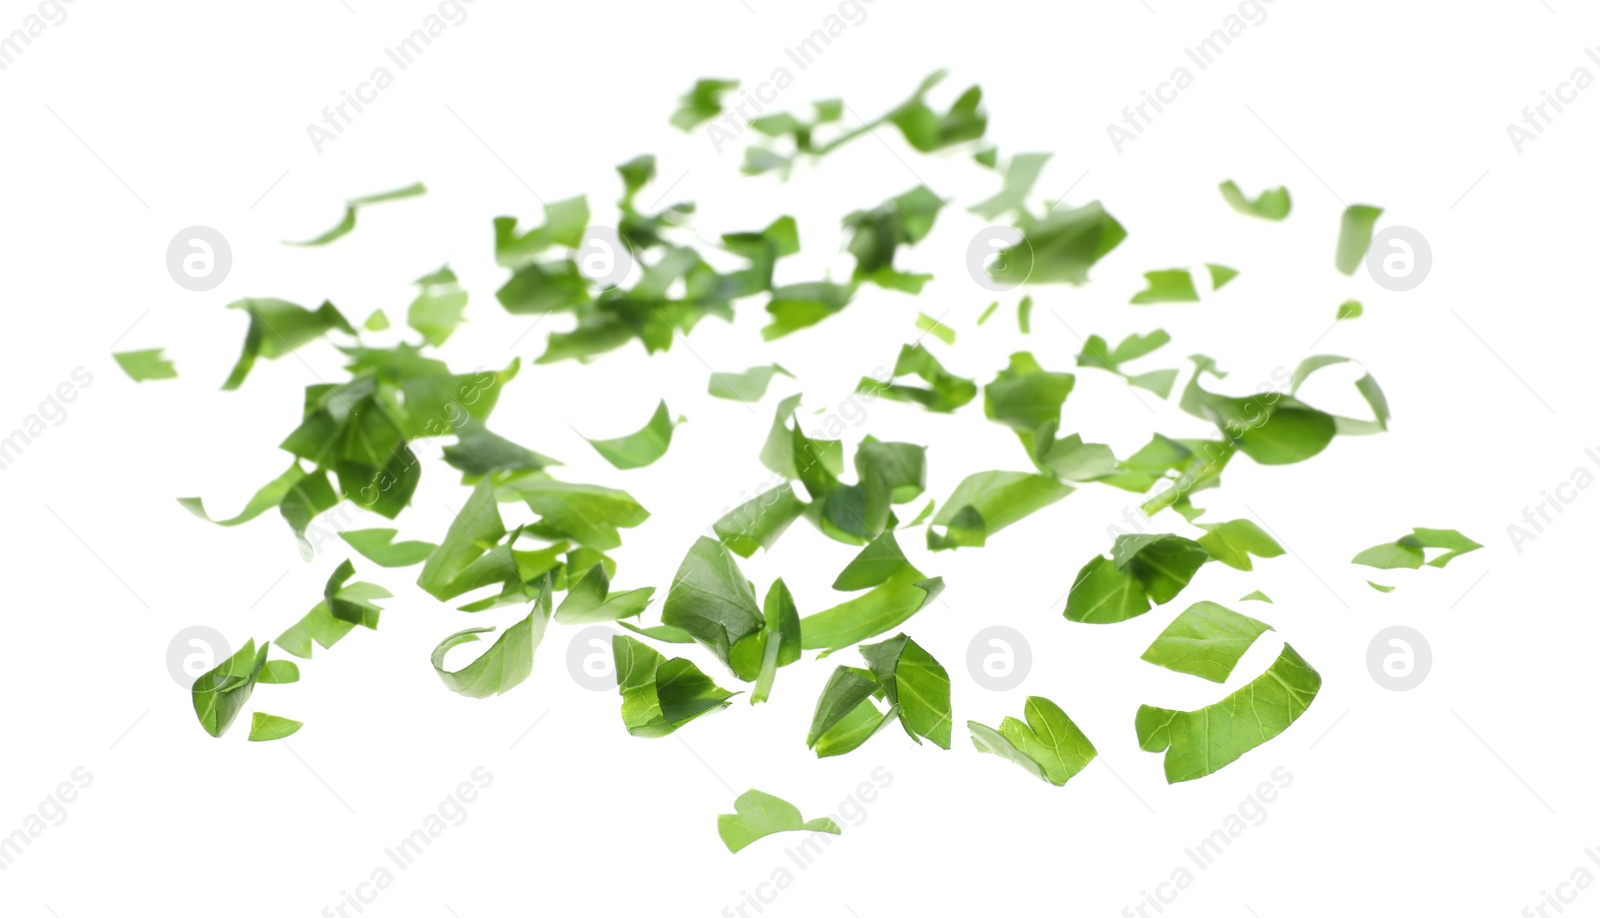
(591, 600)
(276, 328)
(988, 311)
(659, 695)
(1059, 247)
(1174, 285)
(945, 392)
(279, 672)
(1255, 595)
(759, 521)
(438, 309)
(1355, 236)
(643, 447)
(348, 222)
(1200, 742)
(1025, 315)
(986, 502)
(379, 547)
(1349, 309)
(270, 495)
(748, 386)
(1205, 640)
(1021, 174)
(879, 610)
(507, 662)
(1407, 551)
(377, 322)
(1271, 204)
(701, 103)
(220, 694)
(759, 815)
(143, 365)
(934, 327)
(265, 727)
(1049, 746)
(1220, 275)
(1380, 587)
(845, 716)
(1235, 541)
(915, 684)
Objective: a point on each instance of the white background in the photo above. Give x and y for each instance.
(1467, 795)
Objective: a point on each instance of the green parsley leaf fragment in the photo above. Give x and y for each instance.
(1355, 236)
(877, 234)
(1255, 595)
(643, 447)
(379, 547)
(1271, 204)
(988, 311)
(438, 309)
(1049, 746)
(1060, 246)
(945, 392)
(221, 693)
(278, 672)
(932, 326)
(148, 364)
(265, 727)
(348, 222)
(276, 328)
(659, 695)
(1198, 743)
(1235, 541)
(377, 322)
(1021, 173)
(507, 662)
(886, 606)
(1174, 285)
(1205, 640)
(915, 684)
(1407, 551)
(592, 600)
(1349, 309)
(845, 716)
(746, 387)
(986, 502)
(712, 601)
(759, 814)
(1143, 570)
(701, 103)
(1380, 587)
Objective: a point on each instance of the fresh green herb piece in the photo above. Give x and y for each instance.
(945, 393)
(758, 815)
(377, 322)
(1143, 569)
(1380, 587)
(877, 234)
(589, 515)
(881, 609)
(1198, 743)
(1255, 595)
(758, 522)
(1366, 386)
(220, 694)
(1174, 285)
(438, 309)
(1025, 397)
(780, 638)
(348, 223)
(564, 223)
(1355, 236)
(319, 627)
(1235, 541)
(932, 326)
(845, 716)
(476, 529)
(1205, 640)
(353, 602)
(1024, 315)
(1060, 246)
(379, 547)
(797, 306)
(1021, 174)
(987, 158)
(986, 502)
(639, 230)
(1049, 746)
(660, 695)
(478, 452)
(591, 600)
(877, 562)
(278, 672)
(1271, 204)
(1220, 275)
(1407, 551)
(988, 311)
(143, 365)
(507, 662)
(915, 685)
(1096, 354)
(276, 328)
(1272, 428)
(266, 727)
(666, 634)
(701, 103)
(712, 601)
(1349, 309)
(748, 386)
(643, 447)
(270, 495)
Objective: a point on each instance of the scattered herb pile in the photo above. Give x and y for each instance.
(526, 537)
